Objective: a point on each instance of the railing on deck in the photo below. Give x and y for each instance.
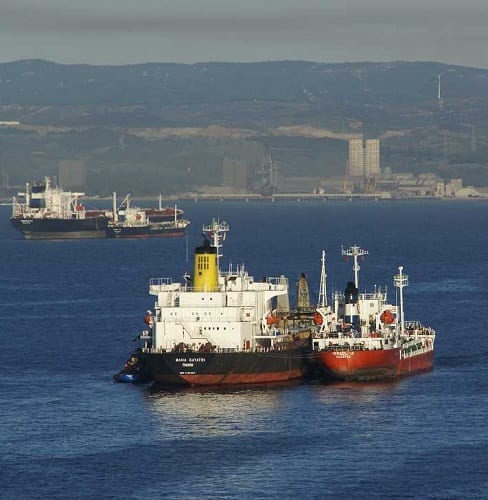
(381, 296)
(161, 283)
(418, 328)
(278, 347)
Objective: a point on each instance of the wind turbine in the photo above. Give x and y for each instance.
(439, 96)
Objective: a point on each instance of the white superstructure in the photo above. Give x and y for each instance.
(223, 311)
(42, 200)
(366, 320)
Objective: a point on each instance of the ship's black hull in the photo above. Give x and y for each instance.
(208, 368)
(95, 227)
(41, 229)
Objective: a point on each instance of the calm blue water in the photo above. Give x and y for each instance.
(70, 309)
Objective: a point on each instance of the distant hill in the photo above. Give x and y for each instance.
(42, 82)
(160, 126)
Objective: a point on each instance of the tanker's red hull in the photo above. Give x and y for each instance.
(240, 379)
(371, 365)
(415, 364)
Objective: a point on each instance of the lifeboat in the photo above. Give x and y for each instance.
(318, 319)
(272, 319)
(148, 319)
(387, 317)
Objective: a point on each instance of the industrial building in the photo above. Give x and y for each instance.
(235, 174)
(364, 161)
(72, 174)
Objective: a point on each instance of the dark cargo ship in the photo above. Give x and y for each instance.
(45, 211)
(220, 328)
(135, 222)
(48, 212)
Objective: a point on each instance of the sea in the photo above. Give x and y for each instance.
(71, 310)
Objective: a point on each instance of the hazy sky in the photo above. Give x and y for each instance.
(123, 31)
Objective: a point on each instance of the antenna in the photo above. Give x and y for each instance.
(186, 275)
(323, 284)
(400, 280)
(186, 247)
(354, 251)
(216, 231)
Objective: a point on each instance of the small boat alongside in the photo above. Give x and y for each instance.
(131, 373)
(129, 378)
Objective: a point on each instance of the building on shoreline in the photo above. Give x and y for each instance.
(364, 158)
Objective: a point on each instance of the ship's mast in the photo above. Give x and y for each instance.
(27, 194)
(400, 280)
(323, 284)
(114, 207)
(216, 232)
(355, 252)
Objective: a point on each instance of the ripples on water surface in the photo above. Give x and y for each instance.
(70, 310)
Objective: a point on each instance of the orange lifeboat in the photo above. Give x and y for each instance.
(272, 319)
(148, 318)
(387, 317)
(318, 319)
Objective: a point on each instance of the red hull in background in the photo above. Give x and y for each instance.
(415, 364)
(371, 365)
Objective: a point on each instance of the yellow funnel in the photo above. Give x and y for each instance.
(206, 272)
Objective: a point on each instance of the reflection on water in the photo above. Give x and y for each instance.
(360, 393)
(193, 412)
(365, 405)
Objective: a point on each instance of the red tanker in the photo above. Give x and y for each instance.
(363, 337)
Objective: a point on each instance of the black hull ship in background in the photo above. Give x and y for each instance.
(136, 222)
(219, 328)
(48, 212)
